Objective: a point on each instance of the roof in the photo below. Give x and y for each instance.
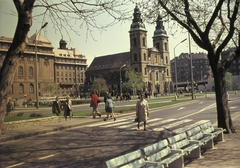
(114, 61)
(71, 53)
(39, 38)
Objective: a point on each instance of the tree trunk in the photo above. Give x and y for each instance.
(223, 112)
(16, 49)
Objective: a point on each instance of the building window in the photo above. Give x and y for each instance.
(155, 58)
(166, 46)
(30, 72)
(166, 60)
(144, 41)
(31, 87)
(144, 57)
(156, 76)
(135, 57)
(20, 71)
(145, 71)
(21, 88)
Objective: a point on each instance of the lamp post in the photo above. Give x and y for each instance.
(191, 67)
(176, 65)
(36, 58)
(121, 78)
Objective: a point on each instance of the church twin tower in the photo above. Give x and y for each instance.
(153, 63)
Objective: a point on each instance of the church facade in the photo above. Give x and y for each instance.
(153, 63)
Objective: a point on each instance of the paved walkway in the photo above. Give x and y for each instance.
(225, 155)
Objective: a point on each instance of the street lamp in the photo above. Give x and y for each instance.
(121, 78)
(191, 66)
(176, 65)
(36, 64)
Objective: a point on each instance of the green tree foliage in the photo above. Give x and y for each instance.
(50, 88)
(228, 80)
(133, 81)
(99, 85)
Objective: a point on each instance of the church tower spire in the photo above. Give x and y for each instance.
(138, 43)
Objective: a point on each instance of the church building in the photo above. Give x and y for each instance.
(153, 63)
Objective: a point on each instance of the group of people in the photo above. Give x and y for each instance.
(142, 108)
(65, 106)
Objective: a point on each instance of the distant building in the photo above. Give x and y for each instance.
(63, 67)
(153, 63)
(200, 65)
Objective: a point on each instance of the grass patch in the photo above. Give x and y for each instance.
(121, 110)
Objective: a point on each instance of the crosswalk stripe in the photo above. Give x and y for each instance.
(168, 126)
(155, 124)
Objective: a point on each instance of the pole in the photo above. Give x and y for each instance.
(176, 84)
(121, 78)
(36, 64)
(191, 69)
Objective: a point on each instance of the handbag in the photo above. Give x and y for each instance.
(136, 119)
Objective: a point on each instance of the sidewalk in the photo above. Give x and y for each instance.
(225, 154)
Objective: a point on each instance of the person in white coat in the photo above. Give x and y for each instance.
(142, 113)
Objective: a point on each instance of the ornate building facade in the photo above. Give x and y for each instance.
(153, 63)
(62, 67)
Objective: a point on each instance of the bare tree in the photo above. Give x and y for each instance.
(213, 25)
(63, 14)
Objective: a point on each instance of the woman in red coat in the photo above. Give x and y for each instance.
(94, 104)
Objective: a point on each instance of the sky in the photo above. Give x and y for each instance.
(114, 40)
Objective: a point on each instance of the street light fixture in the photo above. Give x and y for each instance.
(36, 63)
(176, 66)
(121, 78)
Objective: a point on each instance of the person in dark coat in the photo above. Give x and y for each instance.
(56, 106)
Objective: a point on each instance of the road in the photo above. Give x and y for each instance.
(91, 145)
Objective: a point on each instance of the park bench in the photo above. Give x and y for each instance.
(160, 155)
(180, 141)
(196, 134)
(216, 132)
(129, 160)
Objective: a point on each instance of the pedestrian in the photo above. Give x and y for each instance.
(142, 113)
(109, 106)
(67, 107)
(56, 106)
(9, 107)
(24, 104)
(94, 104)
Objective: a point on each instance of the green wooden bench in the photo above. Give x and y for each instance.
(190, 149)
(216, 132)
(160, 155)
(130, 160)
(196, 134)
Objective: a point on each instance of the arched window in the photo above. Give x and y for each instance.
(31, 88)
(20, 71)
(30, 72)
(21, 88)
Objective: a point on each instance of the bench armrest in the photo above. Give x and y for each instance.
(180, 151)
(194, 142)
